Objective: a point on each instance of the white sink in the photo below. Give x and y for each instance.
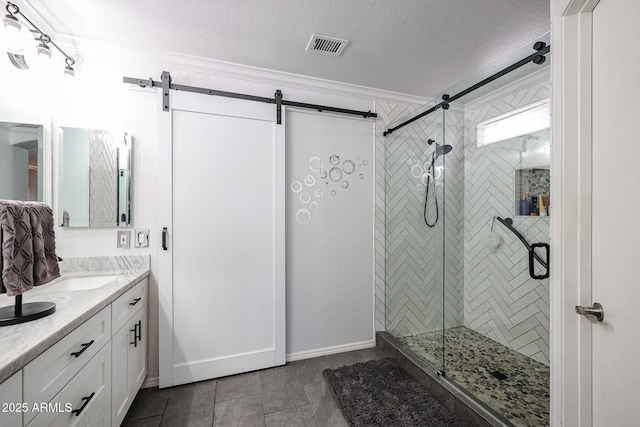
(82, 283)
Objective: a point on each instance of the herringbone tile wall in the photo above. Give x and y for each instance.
(501, 301)
(103, 180)
(410, 257)
(487, 290)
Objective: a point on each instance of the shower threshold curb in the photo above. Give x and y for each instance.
(470, 410)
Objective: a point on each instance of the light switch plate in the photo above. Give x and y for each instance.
(142, 238)
(124, 239)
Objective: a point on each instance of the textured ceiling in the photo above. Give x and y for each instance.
(415, 47)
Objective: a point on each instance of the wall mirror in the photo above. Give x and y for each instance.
(25, 165)
(94, 178)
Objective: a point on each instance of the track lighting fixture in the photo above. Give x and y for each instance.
(27, 46)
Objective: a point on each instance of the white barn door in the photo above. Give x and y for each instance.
(221, 285)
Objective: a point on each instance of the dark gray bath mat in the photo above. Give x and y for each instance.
(380, 393)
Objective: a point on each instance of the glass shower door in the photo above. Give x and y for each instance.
(496, 314)
(414, 245)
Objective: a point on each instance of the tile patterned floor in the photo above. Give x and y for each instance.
(522, 398)
(292, 395)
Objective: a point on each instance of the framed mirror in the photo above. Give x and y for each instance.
(25, 162)
(94, 178)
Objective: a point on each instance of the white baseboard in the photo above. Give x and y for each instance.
(151, 382)
(292, 357)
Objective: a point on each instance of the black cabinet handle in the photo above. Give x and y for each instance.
(137, 333)
(84, 347)
(164, 238)
(533, 255)
(135, 301)
(86, 402)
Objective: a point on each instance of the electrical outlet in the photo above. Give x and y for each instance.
(142, 238)
(124, 239)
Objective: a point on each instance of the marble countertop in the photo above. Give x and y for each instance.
(22, 343)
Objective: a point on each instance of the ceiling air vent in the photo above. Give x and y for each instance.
(325, 45)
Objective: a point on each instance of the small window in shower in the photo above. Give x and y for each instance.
(525, 120)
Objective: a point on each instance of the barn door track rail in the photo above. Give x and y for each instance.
(167, 85)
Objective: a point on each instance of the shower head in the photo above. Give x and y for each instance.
(441, 150)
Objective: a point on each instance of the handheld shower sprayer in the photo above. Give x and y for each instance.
(440, 150)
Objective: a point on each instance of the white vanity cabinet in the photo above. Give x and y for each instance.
(103, 416)
(11, 401)
(48, 373)
(86, 393)
(128, 349)
(90, 376)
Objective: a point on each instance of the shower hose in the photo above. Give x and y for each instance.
(435, 195)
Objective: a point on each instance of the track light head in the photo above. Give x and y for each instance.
(42, 49)
(16, 33)
(18, 61)
(21, 43)
(11, 23)
(68, 70)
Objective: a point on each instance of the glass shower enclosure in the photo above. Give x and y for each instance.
(466, 194)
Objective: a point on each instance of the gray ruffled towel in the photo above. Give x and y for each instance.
(28, 256)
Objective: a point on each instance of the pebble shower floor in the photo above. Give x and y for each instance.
(470, 358)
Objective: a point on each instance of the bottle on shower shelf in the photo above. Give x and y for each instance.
(534, 206)
(524, 205)
(542, 206)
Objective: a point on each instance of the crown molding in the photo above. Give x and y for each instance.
(164, 60)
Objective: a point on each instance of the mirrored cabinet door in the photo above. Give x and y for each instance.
(94, 178)
(24, 162)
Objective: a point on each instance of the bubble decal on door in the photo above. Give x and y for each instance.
(348, 167)
(337, 178)
(303, 216)
(296, 186)
(315, 164)
(335, 174)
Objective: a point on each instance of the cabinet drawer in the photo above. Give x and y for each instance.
(86, 393)
(128, 304)
(47, 374)
(11, 401)
(103, 416)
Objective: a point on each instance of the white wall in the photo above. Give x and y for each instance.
(98, 99)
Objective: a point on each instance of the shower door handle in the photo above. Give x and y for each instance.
(595, 313)
(533, 256)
